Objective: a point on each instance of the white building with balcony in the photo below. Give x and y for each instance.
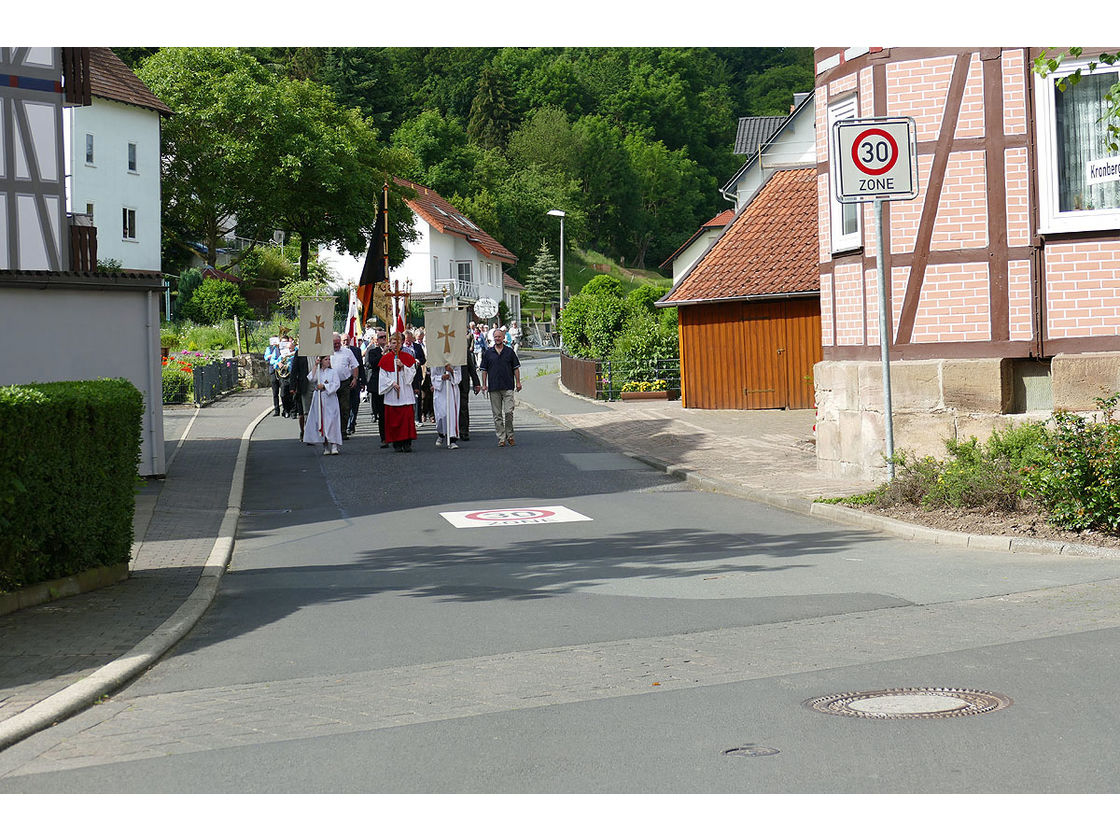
(450, 254)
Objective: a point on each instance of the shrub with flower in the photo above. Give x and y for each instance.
(655, 385)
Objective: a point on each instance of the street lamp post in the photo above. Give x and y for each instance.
(560, 213)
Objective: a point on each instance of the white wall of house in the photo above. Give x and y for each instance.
(127, 328)
(109, 185)
(795, 146)
(687, 258)
(431, 256)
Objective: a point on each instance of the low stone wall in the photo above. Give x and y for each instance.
(252, 371)
(934, 401)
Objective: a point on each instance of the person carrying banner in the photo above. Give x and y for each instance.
(396, 370)
(324, 424)
(445, 393)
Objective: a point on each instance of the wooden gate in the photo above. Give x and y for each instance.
(750, 355)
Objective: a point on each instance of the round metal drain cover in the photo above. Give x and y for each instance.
(898, 703)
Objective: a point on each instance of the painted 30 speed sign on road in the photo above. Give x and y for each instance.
(875, 158)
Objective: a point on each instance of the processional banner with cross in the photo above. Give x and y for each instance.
(445, 336)
(316, 327)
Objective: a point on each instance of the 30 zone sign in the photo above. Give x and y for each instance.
(874, 159)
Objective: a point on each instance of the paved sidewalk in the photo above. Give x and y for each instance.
(55, 655)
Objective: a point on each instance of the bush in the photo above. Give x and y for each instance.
(216, 300)
(178, 385)
(1078, 482)
(68, 456)
(643, 347)
(189, 280)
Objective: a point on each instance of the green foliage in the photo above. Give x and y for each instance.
(178, 385)
(267, 263)
(644, 349)
(492, 116)
(109, 266)
(603, 284)
(542, 284)
(212, 337)
(1047, 64)
(643, 298)
(68, 456)
(215, 300)
(1078, 482)
(188, 281)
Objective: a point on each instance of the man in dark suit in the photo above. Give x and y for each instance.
(377, 400)
(301, 390)
(469, 380)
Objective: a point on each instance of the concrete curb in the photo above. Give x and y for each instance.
(844, 515)
(88, 690)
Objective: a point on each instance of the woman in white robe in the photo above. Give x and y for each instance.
(445, 393)
(324, 421)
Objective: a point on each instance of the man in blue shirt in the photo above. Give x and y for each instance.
(272, 357)
(501, 375)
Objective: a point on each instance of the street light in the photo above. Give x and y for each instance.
(560, 213)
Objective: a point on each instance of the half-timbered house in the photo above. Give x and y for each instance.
(1003, 273)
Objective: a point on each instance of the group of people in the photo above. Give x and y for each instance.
(482, 337)
(325, 393)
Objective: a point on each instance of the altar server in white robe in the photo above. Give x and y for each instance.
(445, 393)
(324, 421)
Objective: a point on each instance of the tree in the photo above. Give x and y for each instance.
(438, 152)
(492, 117)
(329, 174)
(215, 300)
(542, 283)
(215, 157)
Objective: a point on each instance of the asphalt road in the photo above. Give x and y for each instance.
(362, 643)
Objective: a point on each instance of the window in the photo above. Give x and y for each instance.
(435, 268)
(463, 272)
(129, 219)
(89, 149)
(1079, 178)
(89, 210)
(844, 219)
(131, 157)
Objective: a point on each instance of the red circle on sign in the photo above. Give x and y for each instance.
(509, 514)
(867, 170)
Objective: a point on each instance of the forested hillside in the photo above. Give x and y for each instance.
(632, 143)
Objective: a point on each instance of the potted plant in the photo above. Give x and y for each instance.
(658, 389)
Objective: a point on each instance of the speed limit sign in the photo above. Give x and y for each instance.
(874, 159)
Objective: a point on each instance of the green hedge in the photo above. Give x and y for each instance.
(68, 457)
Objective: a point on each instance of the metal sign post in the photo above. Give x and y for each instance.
(876, 160)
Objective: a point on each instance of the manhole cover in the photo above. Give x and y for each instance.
(896, 703)
(751, 751)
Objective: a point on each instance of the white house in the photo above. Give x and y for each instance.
(450, 253)
(112, 162)
(770, 144)
(43, 287)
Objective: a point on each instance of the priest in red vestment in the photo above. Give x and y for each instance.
(396, 371)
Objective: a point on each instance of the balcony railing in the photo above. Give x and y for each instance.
(83, 242)
(456, 286)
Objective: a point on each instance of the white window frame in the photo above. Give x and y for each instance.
(91, 159)
(842, 109)
(132, 159)
(126, 228)
(457, 272)
(1050, 218)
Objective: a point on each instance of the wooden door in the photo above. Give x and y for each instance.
(765, 383)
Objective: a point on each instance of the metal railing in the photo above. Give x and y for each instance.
(604, 379)
(212, 380)
(457, 287)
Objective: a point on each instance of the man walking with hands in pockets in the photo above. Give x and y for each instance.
(501, 375)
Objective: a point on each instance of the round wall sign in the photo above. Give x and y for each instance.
(485, 307)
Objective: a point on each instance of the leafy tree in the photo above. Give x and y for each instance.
(546, 140)
(189, 280)
(329, 174)
(439, 154)
(216, 300)
(492, 116)
(592, 320)
(610, 190)
(216, 159)
(542, 283)
(643, 298)
(364, 78)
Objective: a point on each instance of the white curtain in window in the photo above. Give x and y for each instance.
(1080, 116)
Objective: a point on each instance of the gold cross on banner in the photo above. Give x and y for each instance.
(446, 334)
(317, 325)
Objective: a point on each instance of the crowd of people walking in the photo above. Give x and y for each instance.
(390, 372)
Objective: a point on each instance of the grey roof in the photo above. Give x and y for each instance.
(754, 132)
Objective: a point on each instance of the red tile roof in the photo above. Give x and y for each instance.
(110, 78)
(509, 283)
(717, 222)
(440, 214)
(769, 249)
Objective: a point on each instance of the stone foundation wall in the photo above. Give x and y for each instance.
(252, 371)
(934, 401)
